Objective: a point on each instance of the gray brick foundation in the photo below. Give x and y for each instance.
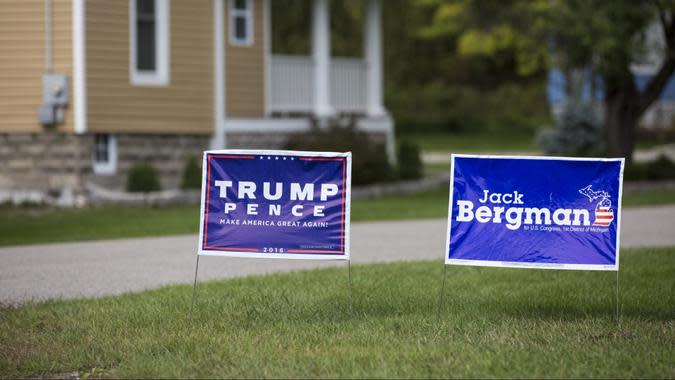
(50, 162)
(38, 167)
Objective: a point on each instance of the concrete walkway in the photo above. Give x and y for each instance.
(94, 269)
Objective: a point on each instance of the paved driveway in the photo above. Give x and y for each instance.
(93, 269)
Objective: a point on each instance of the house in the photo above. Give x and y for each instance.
(583, 84)
(89, 88)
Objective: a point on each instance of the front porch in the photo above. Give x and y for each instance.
(322, 85)
(300, 87)
(292, 87)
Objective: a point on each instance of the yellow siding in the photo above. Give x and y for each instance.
(115, 105)
(245, 71)
(22, 61)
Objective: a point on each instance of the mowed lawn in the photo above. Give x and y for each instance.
(482, 142)
(494, 323)
(33, 225)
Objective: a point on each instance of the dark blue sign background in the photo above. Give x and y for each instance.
(543, 183)
(284, 234)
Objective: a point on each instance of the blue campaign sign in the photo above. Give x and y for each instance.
(541, 212)
(275, 204)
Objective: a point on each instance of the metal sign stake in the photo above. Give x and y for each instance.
(440, 297)
(194, 286)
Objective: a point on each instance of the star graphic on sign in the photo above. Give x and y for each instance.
(261, 157)
(284, 158)
(269, 158)
(276, 158)
(292, 158)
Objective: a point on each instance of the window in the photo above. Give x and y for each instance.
(105, 154)
(241, 22)
(149, 42)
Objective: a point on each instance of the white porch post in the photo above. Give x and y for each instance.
(373, 56)
(321, 57)
(218, 139)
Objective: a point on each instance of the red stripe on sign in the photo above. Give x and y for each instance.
(233, 249)
(604, 217)
(320, 158)
(230, 156)
(344, 190)
(313, 251)
(208, 196)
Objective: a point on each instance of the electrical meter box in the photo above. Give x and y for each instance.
(55, 89)
(54, 99)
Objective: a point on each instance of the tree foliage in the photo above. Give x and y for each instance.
(492, 30)
(609, 37)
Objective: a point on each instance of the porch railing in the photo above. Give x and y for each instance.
(292, 87)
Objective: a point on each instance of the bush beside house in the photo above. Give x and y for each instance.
(143, 178)
(369, 158)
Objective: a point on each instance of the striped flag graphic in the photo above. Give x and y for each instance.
(603, 216)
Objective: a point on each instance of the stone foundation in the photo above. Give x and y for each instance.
(43, 162)
(51, 162)
(167, 153)
(41, 167)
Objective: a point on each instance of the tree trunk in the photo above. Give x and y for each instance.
(621, 117)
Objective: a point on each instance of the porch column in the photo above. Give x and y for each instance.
(373, 56)
(218, 139)
(321, 58)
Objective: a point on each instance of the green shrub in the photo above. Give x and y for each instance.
(578, 132)
(192, 175)
(660, 169)
(438, 107)
(635, 172)
(143, 178)
(369, 159)
(409, 161)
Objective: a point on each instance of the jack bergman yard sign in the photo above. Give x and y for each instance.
(541, 212)
(275, 204)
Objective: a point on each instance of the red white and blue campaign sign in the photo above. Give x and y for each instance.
(541, 212)
(275, 204)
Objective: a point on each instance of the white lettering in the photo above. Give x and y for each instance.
(302, 194)
(246, 189)
(565, 221)
(328, 190)
(229, 207)
(538, 212)
(278, 192)
(483, 214)
(465, 213)
(223, 185)
(579, 214)
(297, 210)
(513, 223)
(275, 210)
(498, 214)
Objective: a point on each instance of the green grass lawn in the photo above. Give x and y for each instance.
(483, 142)
(494, 323)
(32, 226)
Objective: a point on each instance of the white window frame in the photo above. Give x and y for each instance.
(108, 167)
(232, 14)
(159, 76)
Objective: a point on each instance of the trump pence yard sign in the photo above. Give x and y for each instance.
(542, 212)
(276, 204)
